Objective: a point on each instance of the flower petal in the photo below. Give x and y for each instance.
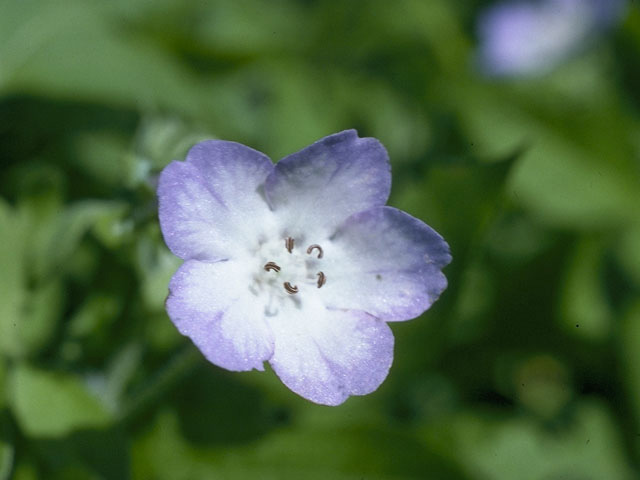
(327, 355)
(209, 204)
(211, 304)
(385, 262)
(317, 188)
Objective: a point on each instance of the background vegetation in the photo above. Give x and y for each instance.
(527, 368)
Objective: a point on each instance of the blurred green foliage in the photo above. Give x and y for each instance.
(526, 368)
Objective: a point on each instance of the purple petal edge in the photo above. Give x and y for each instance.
(321, 185)
(214, 194)
(396, 272)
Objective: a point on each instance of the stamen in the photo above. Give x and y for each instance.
(288, 244)
(322, 279)
(290, 289)
(271, 266)
(315, 245)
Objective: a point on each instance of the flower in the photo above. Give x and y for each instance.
(525, 38)
(300, 263)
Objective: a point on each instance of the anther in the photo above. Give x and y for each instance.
(322, 279)
(316, 246)
(271, 266)
(290, 288)
(288, 244)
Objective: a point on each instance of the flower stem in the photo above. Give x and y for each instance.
(177, 368)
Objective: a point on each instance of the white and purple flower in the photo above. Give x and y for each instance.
(300, 263)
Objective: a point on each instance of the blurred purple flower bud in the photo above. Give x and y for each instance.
(531, 38)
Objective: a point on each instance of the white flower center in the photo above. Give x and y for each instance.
(285, 270)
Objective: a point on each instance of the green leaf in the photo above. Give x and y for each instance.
(572, 174)
(341, 453)
(161, 139)
(627, 252)
(40, 316)
(79, 52)
(496, 127)
(435, 196)
(399, 124)
(103, 156)
(3, 382)
(91, 454)
(296, 111)
(585, 308)
(56, 234)
(588, 447)
(114, 226)
(243, 27)
(39, 237)
(96, 313)
(25, 470)
(566, 186)
(629, 358)
(476, 296)
(53, 404)
(156, 266)
(123, 367)
(7, 450)
(12, 279)
(27, 317)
